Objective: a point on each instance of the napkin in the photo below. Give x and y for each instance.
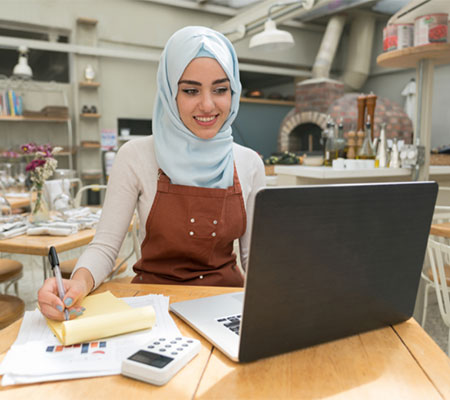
(53, 229)
(17, 229)
(105, 316)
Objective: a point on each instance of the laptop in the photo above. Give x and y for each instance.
(325, 262)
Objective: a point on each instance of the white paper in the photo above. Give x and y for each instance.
(33, 356)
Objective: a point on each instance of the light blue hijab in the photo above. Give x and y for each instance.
(185, 158)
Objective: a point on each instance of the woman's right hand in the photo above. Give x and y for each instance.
(76, 290)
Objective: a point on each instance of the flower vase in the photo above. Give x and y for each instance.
(40, 211)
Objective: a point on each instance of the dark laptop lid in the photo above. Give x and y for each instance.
(331, 261)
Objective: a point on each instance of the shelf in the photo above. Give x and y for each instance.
(268, 101)
(87, 21)
(90, 115)
(90, 145)
(91, 177)
(8, 118)
(89, 84)
(409, 57)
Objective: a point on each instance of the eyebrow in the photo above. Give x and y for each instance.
(189, 82)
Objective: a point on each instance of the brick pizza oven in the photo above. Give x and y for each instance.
(315, 99)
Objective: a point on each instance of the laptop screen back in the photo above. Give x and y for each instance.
(331, 261)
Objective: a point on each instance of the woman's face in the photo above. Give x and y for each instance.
(204, 97)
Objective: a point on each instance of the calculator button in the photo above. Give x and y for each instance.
(151, 347)
(155, 343)
(162, 339)
(184, 345)
(168, 346)
(174, 353)
(180, 349)
(162, 349)
(173, 342)
(190, 341)
(177, 338)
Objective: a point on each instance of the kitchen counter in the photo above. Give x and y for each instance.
(289, 175)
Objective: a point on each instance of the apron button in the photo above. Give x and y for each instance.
(140, 278)
(213, 234)
(200, 277)
(215, 222)
(191, 233)
(192, 220)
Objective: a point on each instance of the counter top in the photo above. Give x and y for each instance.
(330, 173)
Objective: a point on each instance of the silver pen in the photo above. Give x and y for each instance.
(54, 262)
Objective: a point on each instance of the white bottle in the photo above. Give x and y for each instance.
(395, 155)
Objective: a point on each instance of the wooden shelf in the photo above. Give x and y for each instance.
(90, 115)
(89, 84)
(87, 21)
(91, 177)
(268, 101)
(90, 145)
(409, 57)
(9, 118)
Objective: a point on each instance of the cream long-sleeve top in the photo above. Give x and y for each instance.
(132, 185)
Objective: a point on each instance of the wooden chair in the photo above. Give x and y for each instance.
(441, 215)
(11, 309)
(439, 255)
(10, 273)
(121, 265)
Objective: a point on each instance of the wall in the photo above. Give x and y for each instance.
(257, 126)
(390, 82)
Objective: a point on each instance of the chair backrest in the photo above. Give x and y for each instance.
(82, 189)
(438, 253)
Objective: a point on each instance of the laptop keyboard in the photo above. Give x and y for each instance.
(232, 322)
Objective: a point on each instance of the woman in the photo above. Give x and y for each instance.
(192, 185)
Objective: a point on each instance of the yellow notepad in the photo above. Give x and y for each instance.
(105, 315)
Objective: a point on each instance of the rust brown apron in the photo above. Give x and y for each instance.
(189, 235)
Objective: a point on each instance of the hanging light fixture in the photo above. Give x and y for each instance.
(22, 69)
(272, 38)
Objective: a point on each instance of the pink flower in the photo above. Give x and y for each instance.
(32, 165)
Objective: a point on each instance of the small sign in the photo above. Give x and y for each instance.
(108, 139)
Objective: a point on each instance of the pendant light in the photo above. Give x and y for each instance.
(272, 38)
(22, 69)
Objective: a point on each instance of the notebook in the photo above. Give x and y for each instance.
(325, 262)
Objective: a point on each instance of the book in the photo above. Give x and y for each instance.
(11, 103)
(105, 316)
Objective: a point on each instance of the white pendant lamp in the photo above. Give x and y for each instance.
(22, 69)
(271, 38)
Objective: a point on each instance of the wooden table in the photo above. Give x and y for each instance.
(442, 229)
(19, 202)
(399, 362)
(39, 245)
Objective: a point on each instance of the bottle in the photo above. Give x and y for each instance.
(330, 146)
(381, 160)
(395, 155)
(366, 151)
(340, 142)
(324, 137)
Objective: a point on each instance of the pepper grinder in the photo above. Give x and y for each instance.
(371, 101)
(361, 102)
(351, 143)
